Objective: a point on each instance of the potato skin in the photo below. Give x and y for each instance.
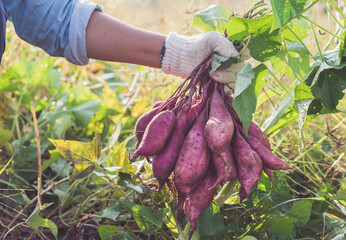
(200, 198)
(249, 165)
(270, 160)
(156, 134)
(164, 162)
(220, 128)
(143, 122)
(256, 132)
(224, 165)
(194, 158)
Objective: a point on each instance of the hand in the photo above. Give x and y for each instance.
(183, 54)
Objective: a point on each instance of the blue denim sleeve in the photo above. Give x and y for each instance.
(56, 26)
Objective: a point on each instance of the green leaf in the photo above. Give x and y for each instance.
(248, 85)
(264, 44)
(280, 225)
(61, 125)
(221, 62)
(84, 111)
(327, 83)
(126, 180)
(148, 220)
(211, 222)
(205, 20)
(238, 28)
(341, 195)
(79, 151)
(83, 173)
(111, 232)
(244, 79)
(35, 221)
(301, 211)
(280, 110)
(299, 26)
(282, 121)
(5, 136)
(284, 11)
(112, 211)
(302, 92)
(307, 104)
(247, 237)
(303, 107)
(329, 86)
(292, 60)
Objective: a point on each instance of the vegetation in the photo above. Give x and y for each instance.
(66, 133)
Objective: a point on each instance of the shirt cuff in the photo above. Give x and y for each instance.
(75, 51)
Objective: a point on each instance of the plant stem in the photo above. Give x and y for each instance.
(225, 192)
(39, 172)
(331, 40)
(317, 44)
(319, 26)
(331, 14)
(32, 201)
(309, 6)
(300, 40)
(273, 75)
(113, 185)
(337, 8)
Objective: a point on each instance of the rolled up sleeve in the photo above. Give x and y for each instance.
(75, 52)
(56, 26)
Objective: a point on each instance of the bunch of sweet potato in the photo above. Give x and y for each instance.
(196, 136)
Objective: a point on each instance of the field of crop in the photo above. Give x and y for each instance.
(86, 117)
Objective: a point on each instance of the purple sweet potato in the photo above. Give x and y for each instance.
(158, 104)
(156, 134)
(164, 162)
(256, 132)
(193, 159)
(200, 198)
(143, 122)
(224, 165)
(248, 162)
(270, 160)
(219, 128)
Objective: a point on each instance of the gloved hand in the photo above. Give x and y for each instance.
(183, 54)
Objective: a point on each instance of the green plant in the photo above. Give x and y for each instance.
(294, 90)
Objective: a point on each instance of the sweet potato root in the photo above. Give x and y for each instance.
(256, 132)
(219, 128)
(164, 162)
(200, 198)
(156, 134)
(224, 165)
(143, 122)
(248, 162)
(270, 160)
(194, 158)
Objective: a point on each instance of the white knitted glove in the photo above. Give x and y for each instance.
(183, 54)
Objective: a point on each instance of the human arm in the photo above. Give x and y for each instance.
(77, 30)
(121, 42)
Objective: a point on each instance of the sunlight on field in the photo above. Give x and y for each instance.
(164, 15)
(105, 193)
